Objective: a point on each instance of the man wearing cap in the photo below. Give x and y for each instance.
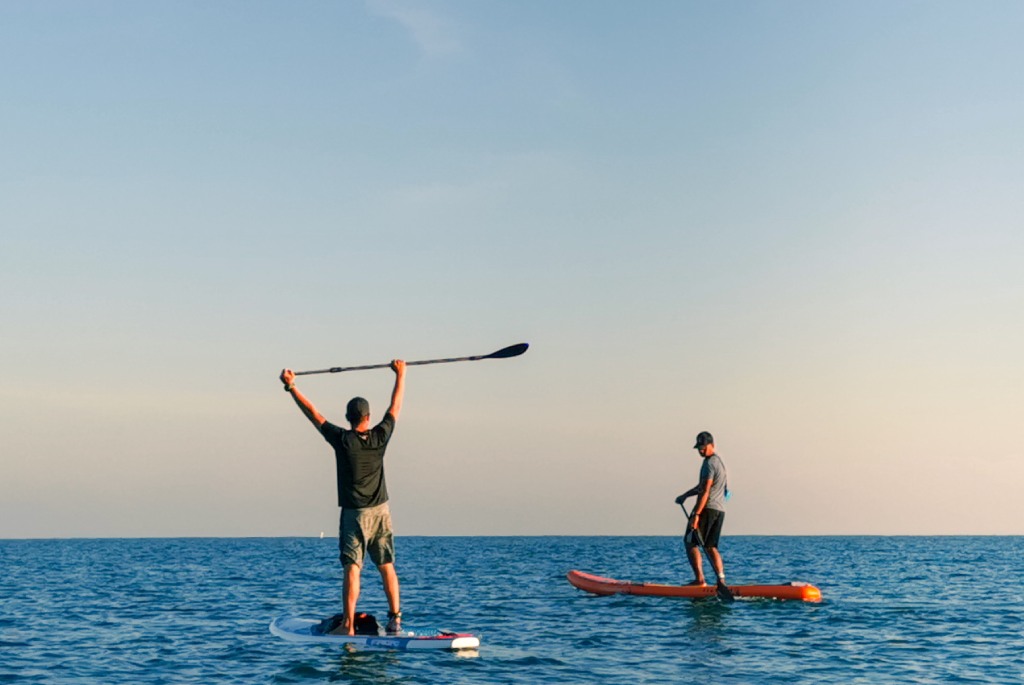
(708, 513)
(365, 526)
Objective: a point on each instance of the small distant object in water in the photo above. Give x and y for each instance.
(321, 535)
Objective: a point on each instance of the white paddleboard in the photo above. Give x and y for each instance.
(299, 629)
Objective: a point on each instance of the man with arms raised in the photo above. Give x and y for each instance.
(708, 513)
(362, 493)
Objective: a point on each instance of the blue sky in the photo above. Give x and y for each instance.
(794, 224)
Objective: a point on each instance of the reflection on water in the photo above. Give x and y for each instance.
(708, 617)
(366, 666)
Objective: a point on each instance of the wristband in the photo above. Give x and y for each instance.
(289, 387)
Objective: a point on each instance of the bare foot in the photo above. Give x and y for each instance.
(343, 629)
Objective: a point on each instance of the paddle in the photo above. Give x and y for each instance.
(503, 353)
(723, 592)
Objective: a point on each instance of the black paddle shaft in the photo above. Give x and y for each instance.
(503, 353)
(696, 532)
(723, 592)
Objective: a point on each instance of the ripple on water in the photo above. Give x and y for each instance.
(896, 610)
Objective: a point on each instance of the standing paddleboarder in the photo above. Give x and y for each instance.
(705, 524)
(365, 526)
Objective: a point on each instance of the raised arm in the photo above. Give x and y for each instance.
(315, 417)
(398, 366)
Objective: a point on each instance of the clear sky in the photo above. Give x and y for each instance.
(795, 224)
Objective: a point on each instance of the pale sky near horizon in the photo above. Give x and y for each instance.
(794, 224)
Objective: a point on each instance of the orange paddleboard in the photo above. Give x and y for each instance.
(608, 586)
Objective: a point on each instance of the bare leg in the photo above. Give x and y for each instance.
(389, 577)
(695, 562)
(716, 562)
(350, 595)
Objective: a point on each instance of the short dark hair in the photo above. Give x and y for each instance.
(357, 408)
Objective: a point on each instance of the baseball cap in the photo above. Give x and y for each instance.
(704, 438)
(357, 408)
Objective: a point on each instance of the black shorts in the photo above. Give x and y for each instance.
(710, 527)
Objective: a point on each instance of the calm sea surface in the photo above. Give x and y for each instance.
(896, 610)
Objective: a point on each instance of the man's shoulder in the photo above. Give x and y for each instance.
(328, 429)
(383, 430)
(712, 464)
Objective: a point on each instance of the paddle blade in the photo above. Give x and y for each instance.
(724, 594)
(510, 351)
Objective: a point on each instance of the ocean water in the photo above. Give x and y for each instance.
(895, 610)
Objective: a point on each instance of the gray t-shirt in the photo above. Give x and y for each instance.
(713, 468)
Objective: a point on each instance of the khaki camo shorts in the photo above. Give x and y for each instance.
(366, 531)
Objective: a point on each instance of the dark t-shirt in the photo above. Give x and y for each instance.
(360, 460)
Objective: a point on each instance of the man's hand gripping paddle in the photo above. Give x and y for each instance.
(724, 593)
